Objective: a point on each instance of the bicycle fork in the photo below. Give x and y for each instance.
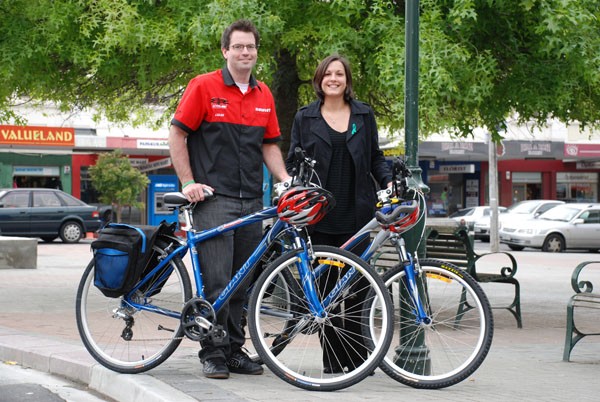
(411, 280)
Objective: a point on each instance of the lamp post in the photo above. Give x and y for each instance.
(412, 355)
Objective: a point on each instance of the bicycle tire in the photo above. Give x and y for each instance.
(150, 339)
(450, 348)
(302, 362)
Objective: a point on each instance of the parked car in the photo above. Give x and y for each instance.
(468, 216)
(46, 213)
(519, 211)
(481, 227)
(568, 226)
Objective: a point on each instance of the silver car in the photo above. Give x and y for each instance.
(567, 226)
(518, 212)
(468, 216)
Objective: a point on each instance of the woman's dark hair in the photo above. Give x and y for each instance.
(239, 25)
(320, 73)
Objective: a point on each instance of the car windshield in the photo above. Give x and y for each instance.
(522, 207)
(463, 212)
(562, 213)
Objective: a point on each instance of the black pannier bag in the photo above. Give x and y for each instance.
(154, 284)
(121, 253)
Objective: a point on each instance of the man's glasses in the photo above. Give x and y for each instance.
(239, 48)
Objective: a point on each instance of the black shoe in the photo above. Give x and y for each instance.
(333, 370)
(215, 368)
(240, 363)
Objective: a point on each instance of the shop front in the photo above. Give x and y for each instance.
(35, 156)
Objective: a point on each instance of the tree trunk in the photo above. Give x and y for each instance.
(286, 84)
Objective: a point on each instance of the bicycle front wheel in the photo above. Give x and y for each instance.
(449, 348)
(322, 353)
(127, 339)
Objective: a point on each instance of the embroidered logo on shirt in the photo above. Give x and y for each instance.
(219, 103)
(263, 109)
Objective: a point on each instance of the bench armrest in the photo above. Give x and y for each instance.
(581, 286)
(506, 272)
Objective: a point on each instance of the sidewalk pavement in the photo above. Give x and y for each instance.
(38, 330)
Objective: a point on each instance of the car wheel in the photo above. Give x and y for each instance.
(554, 243)
(49, 239)
(485, 239)
(515, 248)
(71, 232)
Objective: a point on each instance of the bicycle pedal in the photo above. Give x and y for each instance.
(217, 336)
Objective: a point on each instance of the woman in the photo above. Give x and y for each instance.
(340, 133)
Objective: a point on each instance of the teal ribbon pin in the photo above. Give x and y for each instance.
(353, 129)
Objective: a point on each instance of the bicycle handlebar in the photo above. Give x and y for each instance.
(395, 210)
(301, 174)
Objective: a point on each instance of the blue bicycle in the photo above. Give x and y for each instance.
(289, 326)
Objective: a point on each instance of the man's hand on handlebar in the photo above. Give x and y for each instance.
(197, 192)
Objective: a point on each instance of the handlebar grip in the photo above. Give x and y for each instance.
(389, 218)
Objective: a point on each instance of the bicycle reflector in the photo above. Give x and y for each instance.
(301, 206)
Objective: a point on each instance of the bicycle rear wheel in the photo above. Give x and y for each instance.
(450, 348)
(130, 340)
(298, 346)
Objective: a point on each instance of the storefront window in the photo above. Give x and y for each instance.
(577, 187)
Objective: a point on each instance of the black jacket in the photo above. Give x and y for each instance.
(309, 132)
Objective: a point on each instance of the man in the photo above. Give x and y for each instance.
(224, 128)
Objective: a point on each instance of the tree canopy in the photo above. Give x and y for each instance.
(480, 60)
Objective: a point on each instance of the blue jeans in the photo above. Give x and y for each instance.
(220, 258)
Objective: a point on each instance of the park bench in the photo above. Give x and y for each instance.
(450, 241)
(584, 298)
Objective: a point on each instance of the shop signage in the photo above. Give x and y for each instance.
(36, 171)
(457, 148)
(571, 177)
(161, 163)
(34, 135)
(583, 150)
(588, 165)
(469, 168)
(536, 148)
(153, 144)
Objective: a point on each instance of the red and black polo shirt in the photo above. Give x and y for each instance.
(226, 130)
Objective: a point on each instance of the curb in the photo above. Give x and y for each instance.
(74, 362)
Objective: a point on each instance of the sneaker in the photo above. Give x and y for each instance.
(240, 363)
(215, 368)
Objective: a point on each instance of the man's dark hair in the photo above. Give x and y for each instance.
(239, 25)
(320, 73)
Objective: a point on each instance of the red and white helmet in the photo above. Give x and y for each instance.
(301, 206)
(400, 217)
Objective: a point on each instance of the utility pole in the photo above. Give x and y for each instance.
(493, 191)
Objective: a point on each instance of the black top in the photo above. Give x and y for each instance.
(340, 181)
(370, 169)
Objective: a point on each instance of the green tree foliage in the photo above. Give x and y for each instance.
(480, 60)
(118, 183)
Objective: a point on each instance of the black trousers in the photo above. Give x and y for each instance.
(342, 342)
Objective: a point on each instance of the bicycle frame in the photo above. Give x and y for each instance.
(406, 259)
(196, 237)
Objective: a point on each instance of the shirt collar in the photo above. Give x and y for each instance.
(228, 79)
